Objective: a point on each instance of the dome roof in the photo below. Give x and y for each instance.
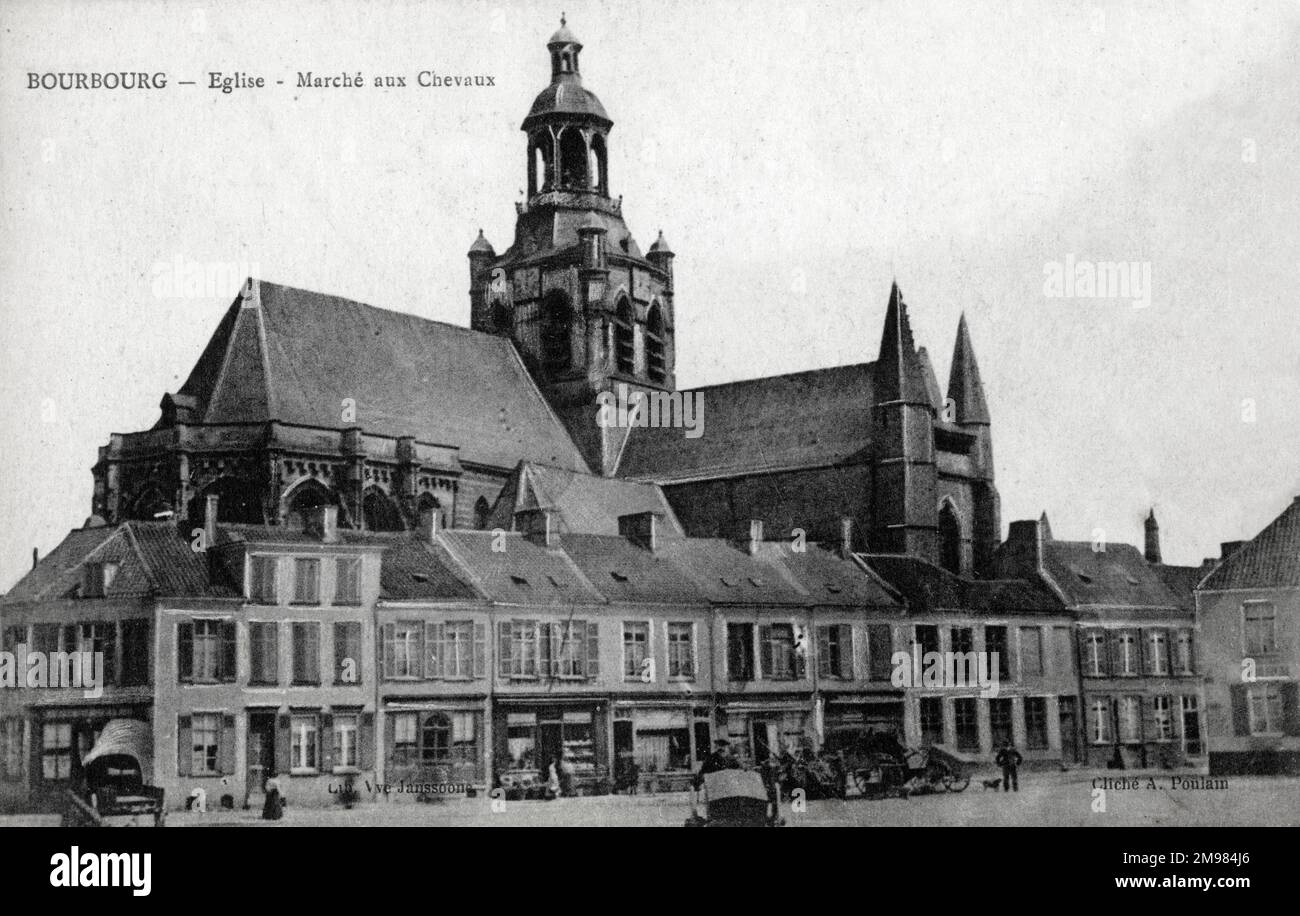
(567, 97)
(661, 245)
(563, 36)
(482, 245)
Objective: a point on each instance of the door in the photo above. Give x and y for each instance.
(623, 759)
(550, 740)
(764, 739)
(1191, 727)
(1069, 731)
(261, 748)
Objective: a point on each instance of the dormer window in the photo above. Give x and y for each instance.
(97, 577)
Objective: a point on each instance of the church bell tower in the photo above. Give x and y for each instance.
(586, 309)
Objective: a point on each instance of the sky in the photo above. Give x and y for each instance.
(800, 157)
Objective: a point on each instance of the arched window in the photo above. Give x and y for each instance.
(240, 502)
(435, 743)
(655, 366)
(557, 326)
(573, 159)
(482, 513)
(380, 513)
(949, 539)
(150, 504)
(624, 342)
(540, 177)
(597, 165)
(305, 500)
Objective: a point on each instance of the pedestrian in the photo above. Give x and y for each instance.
(273, 807)
(552, 781)
(1009, 759)
(568, 773)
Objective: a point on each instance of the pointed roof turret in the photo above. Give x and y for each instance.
(482, 246)
(899, 372)
(660, 245)
(1044, 526)
(931, 380)
(964, 385)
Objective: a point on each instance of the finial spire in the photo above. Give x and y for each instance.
(562, 22)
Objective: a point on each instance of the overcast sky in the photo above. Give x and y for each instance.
(798, 156)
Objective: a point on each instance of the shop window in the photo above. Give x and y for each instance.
(405, 739)
(347, 652)
(306, 653)
(931, 720)
(56, 751)
(663, 750)
(304, 743)
(347, 581)
(967, 724)
(263, 653)
(1036, 723)
(205, 744)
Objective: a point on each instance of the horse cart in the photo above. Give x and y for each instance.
(734, 798)
(885, 770)
(114, 771)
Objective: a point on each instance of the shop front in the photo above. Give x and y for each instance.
(61, 737)
(657, 747)
(434, 749)
(757, 730)
(530, 736)
(849, 719)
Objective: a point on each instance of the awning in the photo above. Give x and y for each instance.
(129, 737)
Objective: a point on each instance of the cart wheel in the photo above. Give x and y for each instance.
(861, 780)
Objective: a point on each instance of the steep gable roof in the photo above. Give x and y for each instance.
(1118, 576)
(1269, 560)
(296, 356)
(587, 504)
(804, 419)
(927, 587)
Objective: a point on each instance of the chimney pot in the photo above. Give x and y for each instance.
(210, 509)
(846, 536)
(329, 524)
(430, 523)
(755, 534)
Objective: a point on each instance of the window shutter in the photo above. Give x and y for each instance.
(283, 745)
(419, 653)
(1240, 711)
(227, 672)
(388, 636)
(544, 668)
(226, 751)
(823, 652)
(185, 651)
(503, 649)
(846, 651)
(880, 649)
(435, 659)
(184, 746)
(480, 650)
(271, 652)
(1291, 708)
(593, 649)
(366, 741)
(325, 742)
(799, 659)
(390, 743)
(765, 649)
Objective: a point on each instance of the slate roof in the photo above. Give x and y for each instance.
(927, 587)
(1270, 560)
(804, 419)
(413, 569)
(1119, 576)
(522, 573)
(586, 503)
(827, 578)
(623, 571)
(725, 573)
(567, 96)
(299, 355)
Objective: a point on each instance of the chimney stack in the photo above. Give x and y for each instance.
(755, 535)
(846, 536)
(1228, 548)
(1152, 552)
(36, 557)
(430, 524)
(210, 507)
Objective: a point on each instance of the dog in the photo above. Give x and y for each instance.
(993, 784)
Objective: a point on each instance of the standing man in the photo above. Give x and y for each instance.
(1009, 759)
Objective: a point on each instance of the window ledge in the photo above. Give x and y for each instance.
(304, 683)
(304, 772)
(347, 771)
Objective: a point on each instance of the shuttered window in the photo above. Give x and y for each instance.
(880, 651)
(347, 652)
(263, 653)
(835, 651)
(306, 653)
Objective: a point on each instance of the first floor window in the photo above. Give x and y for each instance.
(261, 580)
(1036, 723)
(1162, 709)
(303, 743)
(519, 648)
(347, 652)
(347, 581)
(136, 649)
(1095, 653)
(681, 650)
(778, 651)
(1000, 721)
(1259, 627)
(263, 653)
(835, 651)
(740, 651)
(1264, 702)
(1031, 652)
(1101, 721)
(1186, 665)
(1128, 652)
(206, 650)
(56, 751)
(636, 648)
(205, 738)
(1130, 719)
(1159, 662)
(402, 648)
(306, 653)
(345, 740)
(306, 581)
(996, 643)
